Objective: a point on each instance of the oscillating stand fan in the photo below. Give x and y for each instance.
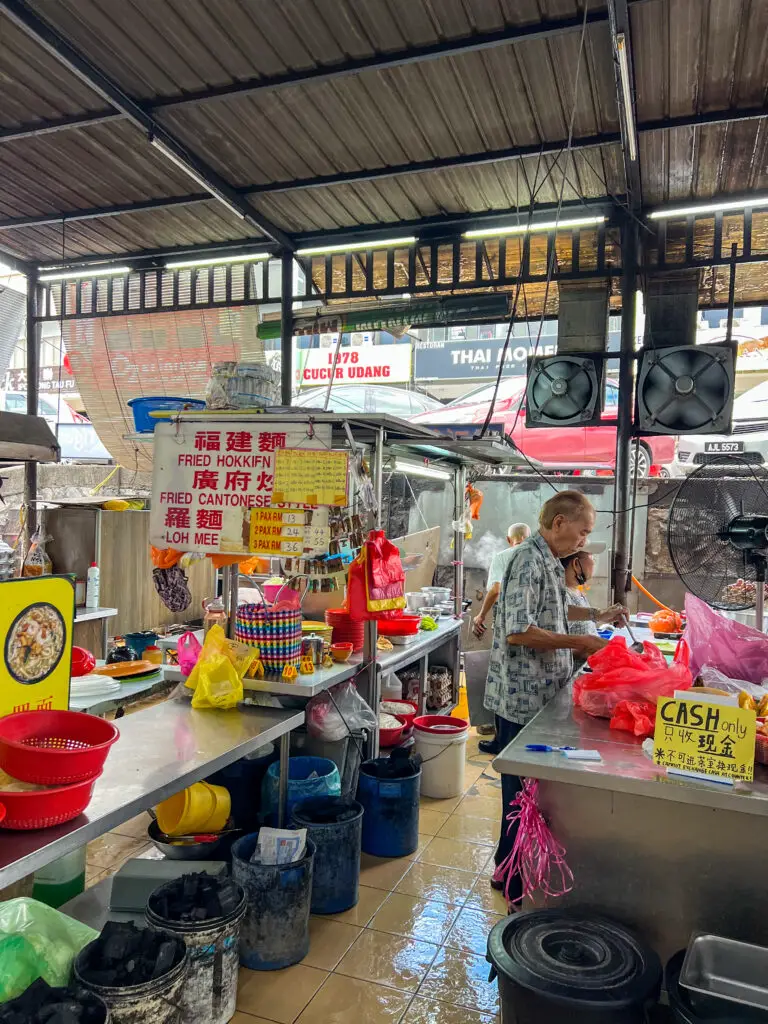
(718, 534)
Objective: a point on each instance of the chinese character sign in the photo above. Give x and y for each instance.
(208, 475)
(711, 739)
(36, 618)
(311, 478)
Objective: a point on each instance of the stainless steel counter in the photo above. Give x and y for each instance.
(160, 751)
(624, 767)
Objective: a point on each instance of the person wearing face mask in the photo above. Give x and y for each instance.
(582, 618)
(532, 652)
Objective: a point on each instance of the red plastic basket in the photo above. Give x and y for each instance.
(54, 748)
(46, 807)
(389, 737)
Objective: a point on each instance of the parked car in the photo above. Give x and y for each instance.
(378, 398)
(562, 448)
(52, 410)
(749, 438)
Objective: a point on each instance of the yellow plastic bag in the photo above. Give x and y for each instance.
(217, 678)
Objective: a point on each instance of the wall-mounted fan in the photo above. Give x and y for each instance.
(687, 389)
(718, 534)
(564, 390)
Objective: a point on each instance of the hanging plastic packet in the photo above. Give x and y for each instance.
(279, 846)
(38, 562)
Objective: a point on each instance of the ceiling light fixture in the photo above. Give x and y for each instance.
(694, 211)
(626, 92)
(416, 469)
(216, 193)
(544, 225)
(247, 257)
(66, 275)
(385, 243)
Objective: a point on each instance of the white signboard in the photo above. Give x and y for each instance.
(374, 364)
(207, 474)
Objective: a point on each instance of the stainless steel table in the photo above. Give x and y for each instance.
(160, 751)
(665, 854)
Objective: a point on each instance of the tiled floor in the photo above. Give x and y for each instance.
(412, 950)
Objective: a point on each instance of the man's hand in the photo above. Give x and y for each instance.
(617, 614)
(586, 645)
(478, 626)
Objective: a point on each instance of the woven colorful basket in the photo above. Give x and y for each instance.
(276, 633)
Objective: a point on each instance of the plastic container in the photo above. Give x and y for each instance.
(139, 642)
(345, 629)
(142, 407)
(275, 929)
(243, 780)
(567, 968)
(45, 808)
(154, 1002)
(337, 837)
(407, 717)
(391, 819)
(403, 625)
(209, 995)
(92, 586)
(61, 880)
(153, 654)
(54, 747)
(200, 807)
(300, 786)
(441, 741)
(390, 737)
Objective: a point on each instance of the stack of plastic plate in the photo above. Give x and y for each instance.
(93, 686)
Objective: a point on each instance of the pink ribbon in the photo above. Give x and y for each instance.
(536, 855)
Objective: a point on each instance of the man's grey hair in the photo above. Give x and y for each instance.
(518, 532)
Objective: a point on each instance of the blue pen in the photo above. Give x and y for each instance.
(544, 748)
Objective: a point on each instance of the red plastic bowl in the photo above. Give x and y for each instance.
(437, 724)
(403, 625)
(54, 748)
(388, 737)
(46, 807)
(409, 716)
(83, 662)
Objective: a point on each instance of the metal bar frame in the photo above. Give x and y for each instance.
(618, 20)
(286, 329)
(33, 334)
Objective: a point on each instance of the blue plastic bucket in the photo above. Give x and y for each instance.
(335, 827)
(142, 407)
(391, 819)
(300, 786)
(275, 929)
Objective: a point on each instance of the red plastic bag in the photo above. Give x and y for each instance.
(376, 581)
(736, 650)
(188, 650)
(619, 674)
(635, 716)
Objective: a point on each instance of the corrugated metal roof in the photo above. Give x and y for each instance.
(690, 56)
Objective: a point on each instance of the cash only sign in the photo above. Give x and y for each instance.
(708, 737)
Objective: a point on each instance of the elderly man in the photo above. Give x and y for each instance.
(516, 534)
(532, 652)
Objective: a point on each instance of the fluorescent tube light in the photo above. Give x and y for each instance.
(687, 211)
(167, 152)
(544, 225)
(626, 92)
(385, 243)
(65, 275)
(211, 261)
(414, 469)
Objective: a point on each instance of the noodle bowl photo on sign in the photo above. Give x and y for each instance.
(35, 643)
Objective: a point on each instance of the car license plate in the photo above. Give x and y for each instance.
(723, 447)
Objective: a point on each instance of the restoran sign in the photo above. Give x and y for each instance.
(207, 474)
(369, 364)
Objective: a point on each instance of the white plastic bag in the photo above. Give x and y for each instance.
(332, 715)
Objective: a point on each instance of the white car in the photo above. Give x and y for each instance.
(749, 438)
(51, 409)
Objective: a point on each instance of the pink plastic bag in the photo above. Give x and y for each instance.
(188, 650)
(619, 674)
(736, 650)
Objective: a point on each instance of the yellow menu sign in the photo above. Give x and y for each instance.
(310, 477)
(36, 619)
(275, 531)
(710, 739)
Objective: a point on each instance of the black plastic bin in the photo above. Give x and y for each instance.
(335, 826)
(556, 967)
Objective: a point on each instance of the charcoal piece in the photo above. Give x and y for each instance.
(166, 956)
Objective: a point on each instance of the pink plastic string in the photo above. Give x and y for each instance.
(536, 855)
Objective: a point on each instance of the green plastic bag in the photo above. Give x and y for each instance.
(37, 941)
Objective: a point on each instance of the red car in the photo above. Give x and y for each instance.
(572, 448)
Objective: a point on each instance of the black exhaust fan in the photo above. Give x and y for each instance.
(564, 390)
(687, 389)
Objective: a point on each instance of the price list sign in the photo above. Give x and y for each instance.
(311, 478)
(702, 738)
(208, 475)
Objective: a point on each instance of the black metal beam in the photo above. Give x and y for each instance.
(26, 19)
(621, 44)
(377, 62)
